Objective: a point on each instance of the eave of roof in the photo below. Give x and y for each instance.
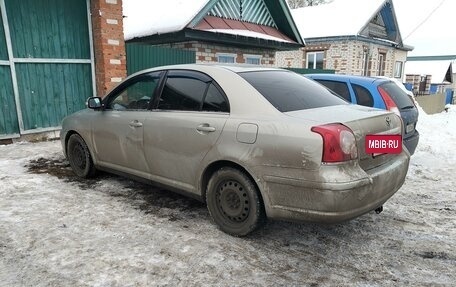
(222, 38)
(358, 38)
(431, 58)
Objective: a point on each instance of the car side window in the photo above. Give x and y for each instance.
(214, 100)
(339, 88)
(363, 96)
(182, 93)
(136, 95)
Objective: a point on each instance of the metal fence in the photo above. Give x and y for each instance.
(140, 57)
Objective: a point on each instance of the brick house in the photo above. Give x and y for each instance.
(228, 31)
(356, 37)
(54, 55)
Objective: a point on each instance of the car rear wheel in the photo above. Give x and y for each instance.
(79, 157)
(234, 202)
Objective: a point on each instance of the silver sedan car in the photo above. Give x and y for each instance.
(253, 143)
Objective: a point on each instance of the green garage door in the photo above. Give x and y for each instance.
(50, 65)
(9, 126)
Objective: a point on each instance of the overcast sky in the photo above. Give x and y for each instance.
(436, 36)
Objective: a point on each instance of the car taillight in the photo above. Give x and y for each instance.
(339, 143)
(389, 103)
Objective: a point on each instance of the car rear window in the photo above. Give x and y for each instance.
(288, 91)
(402, 100)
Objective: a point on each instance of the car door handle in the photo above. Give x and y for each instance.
(206, 128)
(136, 124)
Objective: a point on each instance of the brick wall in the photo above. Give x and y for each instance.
(208, 52)
(415, 80)
(290, 59)
(346, 57)
(109, 45)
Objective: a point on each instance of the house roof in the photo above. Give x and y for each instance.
(344, 18)
(145, 17)
(262, 23)
(440, 70)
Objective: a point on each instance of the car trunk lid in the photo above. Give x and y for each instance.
(362, 121)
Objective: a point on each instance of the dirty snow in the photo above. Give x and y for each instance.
(57, 230)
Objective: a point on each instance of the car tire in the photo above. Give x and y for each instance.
(234, 202)
(79, 157)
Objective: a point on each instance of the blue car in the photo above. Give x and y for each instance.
(379, 93)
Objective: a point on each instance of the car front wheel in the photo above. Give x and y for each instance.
(234, 202)
(79, 157)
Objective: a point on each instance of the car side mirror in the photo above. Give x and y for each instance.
(94, 103)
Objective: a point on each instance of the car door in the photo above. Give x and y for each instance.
(118, 132)
(185, 124)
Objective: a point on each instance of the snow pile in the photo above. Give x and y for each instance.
(437, 138)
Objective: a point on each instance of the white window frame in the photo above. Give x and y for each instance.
(314, 59)
(398, 71)
(218, 55)
(253, 57)
(381, 64)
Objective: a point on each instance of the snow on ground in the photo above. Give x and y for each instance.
(57, 230)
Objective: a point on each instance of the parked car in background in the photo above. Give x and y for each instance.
(251, 142)
(379, 93)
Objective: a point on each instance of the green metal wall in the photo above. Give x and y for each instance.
(48, 28)
(50, 43)
(49, 92)
(140, 57)
(8, 115)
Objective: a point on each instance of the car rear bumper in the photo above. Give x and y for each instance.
(331, 202)
(412, 142)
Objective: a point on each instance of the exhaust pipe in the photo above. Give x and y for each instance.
(379, 209)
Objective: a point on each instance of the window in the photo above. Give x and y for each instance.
(381, 64)
(315, 60)
(226, 58)
(214, 100)
(182, 94)
(288, 91)
(136, 95)
(339, 88)
(400, 98)
(398, 69)
(252, 59)
(363, 96)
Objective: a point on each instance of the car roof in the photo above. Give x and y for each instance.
(351, 78)
(236, 68)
